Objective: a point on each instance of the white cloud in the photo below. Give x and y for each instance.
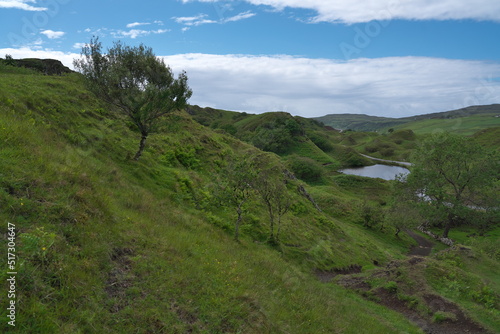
(136, 24)
(193, 20)
(79, 46)
(396, 87)
(357, 11)
(240, 16)
(20, 4)
(202, 19)
(53, 34)
(134, 33)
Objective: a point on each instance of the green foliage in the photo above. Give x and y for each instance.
(36, 245)
(370, 215)
(305, 168)
(229, 128)
(391, 286)
(136, 82)
(186, 156)
(273, 138)
(321, 141)
(453, 172)
(9, 61)
(486, 296)
(441, 316)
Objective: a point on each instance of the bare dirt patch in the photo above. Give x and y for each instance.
(405, 290)
(327, 275)
(424, 246)
(119, 278)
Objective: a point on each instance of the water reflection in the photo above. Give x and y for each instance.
(377, 171)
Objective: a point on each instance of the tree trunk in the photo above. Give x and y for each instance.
(142, 144)
(448, 225)
(271, 217)
(279, 229)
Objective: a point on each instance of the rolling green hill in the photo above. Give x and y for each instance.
(466, 121)
(106, 244)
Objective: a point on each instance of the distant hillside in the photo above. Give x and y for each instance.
(359, 122)
(286, 135)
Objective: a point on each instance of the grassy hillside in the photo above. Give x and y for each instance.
(466, 126)
(105, 244)
(288, 136)
(359, 122)
(463, 121)
(108, 244)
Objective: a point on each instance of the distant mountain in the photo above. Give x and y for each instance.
(360, 122)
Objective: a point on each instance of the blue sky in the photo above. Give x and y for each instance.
(310, 58)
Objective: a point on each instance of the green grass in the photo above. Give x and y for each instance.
(106, 244)
(466, 126)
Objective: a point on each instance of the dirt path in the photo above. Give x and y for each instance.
(404, 297)
(389, 161)
(424, 246)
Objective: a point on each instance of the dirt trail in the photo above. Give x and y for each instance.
(402, 298)
(424, 246)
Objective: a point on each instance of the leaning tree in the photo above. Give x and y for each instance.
(135, 81)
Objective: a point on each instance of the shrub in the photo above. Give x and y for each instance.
(322, 142)
(441, 316)
(306, 169)
(391, 286)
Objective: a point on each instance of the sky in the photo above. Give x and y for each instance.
(392, 58)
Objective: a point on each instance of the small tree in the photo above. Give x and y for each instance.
(236, 188)
(135, 81)
(453, 178)
(370, 215)
(9, 60)
(402, 213)
(272, 190)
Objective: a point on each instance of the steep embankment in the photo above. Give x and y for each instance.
(106, 244)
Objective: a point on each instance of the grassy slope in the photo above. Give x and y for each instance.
(110, 245)
(463, 125)
(359, 122)
(453, 120)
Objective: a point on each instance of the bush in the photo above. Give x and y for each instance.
(322, 142)
(441, 316)
(306, 169)
(391, 286)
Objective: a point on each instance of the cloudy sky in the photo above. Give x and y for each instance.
(310, 58)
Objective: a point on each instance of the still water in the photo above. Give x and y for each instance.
(381, 171)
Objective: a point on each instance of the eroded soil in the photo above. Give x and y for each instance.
(431, 312)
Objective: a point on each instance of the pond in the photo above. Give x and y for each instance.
(377, 171)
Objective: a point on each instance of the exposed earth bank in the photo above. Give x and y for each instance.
(402, 287)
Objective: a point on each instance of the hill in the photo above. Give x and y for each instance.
(45, 66)
(108, 244)
(451, 120)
